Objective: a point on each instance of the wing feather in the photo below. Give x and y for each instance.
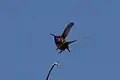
(67, 30)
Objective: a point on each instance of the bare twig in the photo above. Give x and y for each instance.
(55, 64)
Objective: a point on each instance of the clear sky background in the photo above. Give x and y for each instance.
(27, 51)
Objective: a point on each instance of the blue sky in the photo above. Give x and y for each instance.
(27, 51)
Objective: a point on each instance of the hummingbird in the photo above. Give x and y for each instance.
(60, 40)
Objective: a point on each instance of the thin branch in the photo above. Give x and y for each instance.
(55, 64)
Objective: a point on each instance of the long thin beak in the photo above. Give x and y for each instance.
(52, 35)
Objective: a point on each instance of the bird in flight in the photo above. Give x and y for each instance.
(60, 40)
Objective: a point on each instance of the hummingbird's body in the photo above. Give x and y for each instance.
(60, 41)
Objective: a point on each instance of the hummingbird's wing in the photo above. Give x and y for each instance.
(67, 30)
(69, 42)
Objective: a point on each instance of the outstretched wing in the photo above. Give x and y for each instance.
(69, 42)
(67, 30)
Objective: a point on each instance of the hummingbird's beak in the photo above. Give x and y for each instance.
(52, 35)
